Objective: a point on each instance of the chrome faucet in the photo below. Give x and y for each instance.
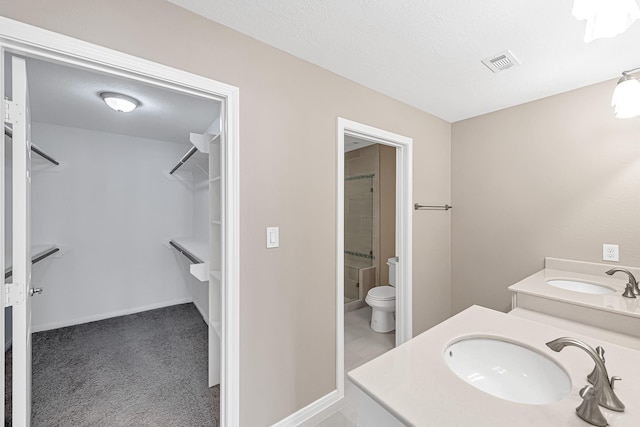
(594, 373)
(632, 286)
(605, 395)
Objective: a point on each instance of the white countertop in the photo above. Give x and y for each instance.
(414, 383)
(537, 285)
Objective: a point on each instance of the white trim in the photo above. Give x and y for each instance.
(404, 241)
(108, 315)
(28, 40)
(404, 197)
(21, 224)
(340, 129)
(8, 343)
(310, 411)
(230, 294)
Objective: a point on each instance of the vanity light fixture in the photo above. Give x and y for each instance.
(120, 102)
(605, 18)
(626, 95)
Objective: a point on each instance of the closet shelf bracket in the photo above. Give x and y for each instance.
(201, 141)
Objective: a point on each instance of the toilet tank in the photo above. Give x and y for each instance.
(391, 262)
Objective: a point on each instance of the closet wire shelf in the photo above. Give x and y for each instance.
(8, 132)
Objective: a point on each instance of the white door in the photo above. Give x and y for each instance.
(20, 289)
(2, 246)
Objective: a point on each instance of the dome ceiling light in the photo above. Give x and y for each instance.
(626, 96)
(119, 102)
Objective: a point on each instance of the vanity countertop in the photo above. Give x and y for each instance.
(557, 269)
(414, 383)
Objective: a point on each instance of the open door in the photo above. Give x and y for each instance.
(2, 235)
(19, 290)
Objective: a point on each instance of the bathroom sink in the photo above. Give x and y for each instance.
(508, 371)
(584, 287)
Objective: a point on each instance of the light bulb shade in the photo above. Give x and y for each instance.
(626, 98)
(605, 18)
(120, 102)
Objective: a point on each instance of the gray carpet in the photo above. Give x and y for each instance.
(145, 369)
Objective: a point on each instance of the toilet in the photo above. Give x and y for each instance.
(382, 300)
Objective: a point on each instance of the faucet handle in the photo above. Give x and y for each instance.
(589, 410)
(613, 380)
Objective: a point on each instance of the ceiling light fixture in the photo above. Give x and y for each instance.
(605, 18)
(626, 95)
(120, 102)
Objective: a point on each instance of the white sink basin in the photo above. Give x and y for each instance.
(584, 287)
(508, 371)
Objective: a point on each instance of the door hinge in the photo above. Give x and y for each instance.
(14, 294)
(10, 112)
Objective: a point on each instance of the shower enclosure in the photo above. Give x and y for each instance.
(359, 269)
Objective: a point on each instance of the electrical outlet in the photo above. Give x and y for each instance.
(610, 253)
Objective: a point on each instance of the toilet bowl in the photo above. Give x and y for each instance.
(382, 300)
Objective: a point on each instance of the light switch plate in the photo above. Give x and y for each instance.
(610, 253)
(273, 237)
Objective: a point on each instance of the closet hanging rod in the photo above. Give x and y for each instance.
(432, 207)
(35, 259)
(184, 158)
(34, 148)
(42, 154)
(194, 259)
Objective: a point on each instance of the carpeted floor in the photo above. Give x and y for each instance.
(145, 369)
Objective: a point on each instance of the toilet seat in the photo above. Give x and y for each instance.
(382, 293)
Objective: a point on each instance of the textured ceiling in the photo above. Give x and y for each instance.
(70, 97)
(427, 53)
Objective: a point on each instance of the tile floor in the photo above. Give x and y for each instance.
(361, 344)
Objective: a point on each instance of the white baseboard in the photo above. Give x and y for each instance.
(314, 412)
(108, 315)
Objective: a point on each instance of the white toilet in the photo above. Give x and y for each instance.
(382, 300)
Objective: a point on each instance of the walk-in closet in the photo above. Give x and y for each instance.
(124, 221)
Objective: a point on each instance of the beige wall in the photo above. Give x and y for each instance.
(557, 177)
(287, 129)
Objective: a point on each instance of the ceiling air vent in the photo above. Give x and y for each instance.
(501, 61)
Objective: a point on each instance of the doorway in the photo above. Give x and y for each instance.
(22, 40)
(370, 252)
(349, 131)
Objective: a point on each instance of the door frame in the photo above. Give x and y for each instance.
(404, 242)
(17, 37)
